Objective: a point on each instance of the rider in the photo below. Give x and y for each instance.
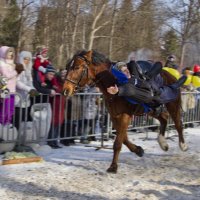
(149, 91)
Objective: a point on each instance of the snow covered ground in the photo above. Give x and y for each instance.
(79, 173)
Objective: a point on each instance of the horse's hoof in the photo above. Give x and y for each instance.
(112, 169)
(139, 151)
(162, 142)
(183, 146)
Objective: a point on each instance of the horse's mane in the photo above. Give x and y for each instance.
(97, 58)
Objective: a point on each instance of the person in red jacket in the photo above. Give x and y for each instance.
(40, 65)
(58, 103)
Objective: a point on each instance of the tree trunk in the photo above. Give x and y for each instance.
(94, 28)
(113, 22)
(183, 48)
(75, 29)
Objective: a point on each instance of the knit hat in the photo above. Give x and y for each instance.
(44, 50)
(50, 68)
(119, 65)
(171, 58)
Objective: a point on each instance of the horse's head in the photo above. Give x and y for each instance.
(79, 73)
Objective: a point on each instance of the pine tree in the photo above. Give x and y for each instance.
(9, 32)
(171, 44)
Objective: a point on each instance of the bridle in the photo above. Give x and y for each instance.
(83, 74)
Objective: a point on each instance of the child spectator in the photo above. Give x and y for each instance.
(40, 65)
(7, 70)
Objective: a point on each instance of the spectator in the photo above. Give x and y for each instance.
(7, 70)
(43, 102)
(58, 111)
(47, 89)
(40, 65)
(171, 62)
(188, 98)
(23, 88)
(89, 114)
(73, 124)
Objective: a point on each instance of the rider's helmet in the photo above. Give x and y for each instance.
(196, 68)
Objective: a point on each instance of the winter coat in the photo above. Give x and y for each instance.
(7, 68)
(24, 79)
(40, 61)
(58, 103)
(89, 104)
(44, 90)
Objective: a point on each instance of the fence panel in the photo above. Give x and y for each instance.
(81, 117)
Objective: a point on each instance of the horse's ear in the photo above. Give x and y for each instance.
(88, 55)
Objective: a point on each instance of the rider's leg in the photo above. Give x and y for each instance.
(179, 82)
(135, 69)
(156, 69)
(138, 94)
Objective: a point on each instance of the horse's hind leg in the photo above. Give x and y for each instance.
(163, 117)
(175, 113)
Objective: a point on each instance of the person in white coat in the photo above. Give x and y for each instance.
(24, 87)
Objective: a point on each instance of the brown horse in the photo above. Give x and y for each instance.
(93, 68)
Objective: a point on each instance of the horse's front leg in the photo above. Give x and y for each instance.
(132, 147)
(120, 124)
(116, 148)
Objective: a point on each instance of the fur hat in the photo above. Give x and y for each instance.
(119, 65)
(50, 68)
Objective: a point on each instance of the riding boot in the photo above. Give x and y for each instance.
(179, 82)
(156, 69)
(135, 70)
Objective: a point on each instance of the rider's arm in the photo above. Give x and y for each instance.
(123, 90)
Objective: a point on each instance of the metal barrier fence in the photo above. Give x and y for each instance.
(44, 118)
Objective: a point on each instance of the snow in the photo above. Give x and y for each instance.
(79, 173)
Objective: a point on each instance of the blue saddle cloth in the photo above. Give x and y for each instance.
(122, 79)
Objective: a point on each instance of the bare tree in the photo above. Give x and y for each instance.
(24, 17)
(98, 12)
(75, 27)
(113, 23)
(187, 16)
